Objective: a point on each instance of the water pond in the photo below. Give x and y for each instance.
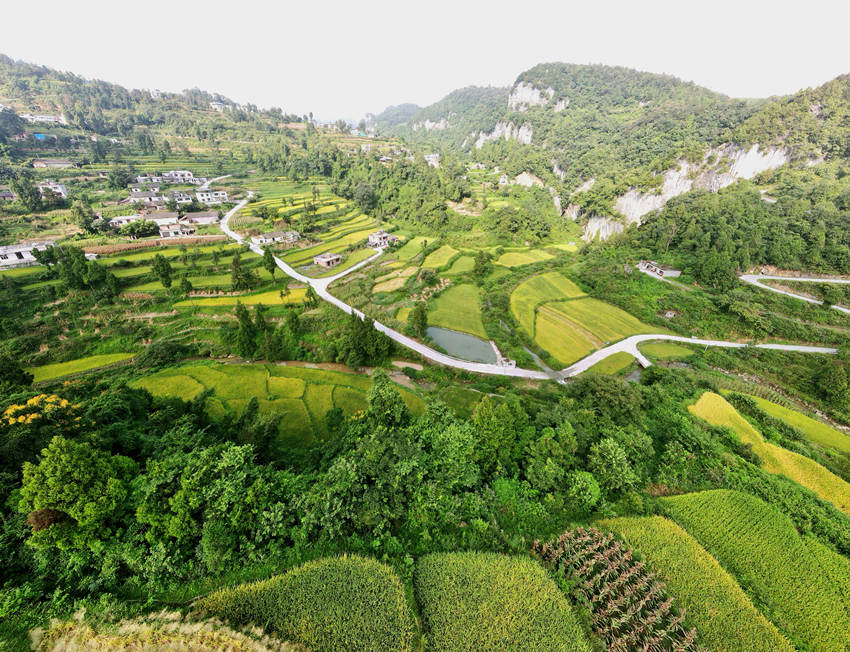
(462, 345)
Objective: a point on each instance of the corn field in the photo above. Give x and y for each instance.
(630, 608)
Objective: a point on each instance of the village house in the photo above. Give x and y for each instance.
(181, 197)
(433, 160)
(207, 217)
(17, 255)
(276, 236)
(6, 194)
(162, 218)
(143, 179)
(136, 188)
(327, 260)
(53, 163)
(124, 220)
(380, 239)
(217, 106)
(178, 176)
(47, 119)
(175, 231)
(211, 196)
(48, 185)
(147, 197)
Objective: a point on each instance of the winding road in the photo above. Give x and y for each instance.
(756, 279)
(628, 345)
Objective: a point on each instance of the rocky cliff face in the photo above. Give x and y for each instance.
(525, 95)
(506, 130)
(429, 125)
(601, 228)
(728, 164)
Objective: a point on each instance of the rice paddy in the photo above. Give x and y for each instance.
(816, 431)
(267, 298)
(457, 308)
(775, 459)
(613, 364)
(61, 369)
(537, 290)
(520, 258)
(665, 350)
(301, 395)
(440, 257)
(788, 574)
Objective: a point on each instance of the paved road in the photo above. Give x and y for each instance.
(628, 345)
(756, 279)
(206, 186)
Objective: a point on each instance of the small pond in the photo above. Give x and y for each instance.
(462, 345)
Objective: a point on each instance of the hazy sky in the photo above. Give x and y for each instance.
(342, 59)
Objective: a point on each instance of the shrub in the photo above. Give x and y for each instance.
(336, 603)
(485, 601)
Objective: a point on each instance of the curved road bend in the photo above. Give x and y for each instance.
(756, 279)
(628, 345)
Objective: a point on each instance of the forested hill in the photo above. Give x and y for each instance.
(112, 110)
(813, 122)
(590, 119)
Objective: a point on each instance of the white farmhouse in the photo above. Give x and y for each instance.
(178, 176)
(207, 217)
(124, 220)
(327, 260)
(276, 236)
(211, 196)
(18, 255)
(48, 185)
(175, 231)
(380, 239)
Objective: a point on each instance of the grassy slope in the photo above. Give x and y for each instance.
(722, 613)
(775, 459)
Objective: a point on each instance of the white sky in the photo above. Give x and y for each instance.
(342, 59)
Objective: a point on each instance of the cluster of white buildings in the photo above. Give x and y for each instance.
(18, 255)
(147, 189)
(44, 119)
(170, 224)
(173, 176)
(381, 239)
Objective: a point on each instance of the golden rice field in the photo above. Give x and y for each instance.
(789, 575)
(268, 298)
(60, 369)
(520, 258)
(716, 605)
(394, 280)
(529, 294)
(775, 459)
(816, 431)
(440, 257)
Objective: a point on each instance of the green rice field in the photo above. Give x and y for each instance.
(537, 290)
(458, 308)
(60, 369)
(816, 431)
(440, 257)
(301, 395)
(520, 258)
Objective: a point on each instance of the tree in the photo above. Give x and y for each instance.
(118, 178)
(386, 407)
(482, 265)
(162, 268)
(364, 197)
(610, 465)
(582, 491)
(26, 191)
(77, 495)
(269, 261)
(246, 337)
(185, 285)
(831, 293)
(83, 216)
(310, 298)
(418, 318)
(241, 277)
(13, 373)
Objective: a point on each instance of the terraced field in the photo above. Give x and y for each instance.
(458, 308)
(722, 613)
(775, 459)
(302, 395)
(411, 248)
(537, 290)
(665, 350)
(60, 369)
(336, 240)
(612, 364)
(267, 298)
(789, 575)
(394, 280)
(520, 258)
(816, 431)
(440, 257)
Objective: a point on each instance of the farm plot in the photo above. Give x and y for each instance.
(613, 364)
(560, 338)
(393, 281)
(537, 290)
(267, 298)
(788, 574)
(816, 431)
(485, 601)
(336, 603)
(520, 258)
(411, 249)
(461, 265)
(775, 459)
(336, 240)
(60, 369)
(440, 257)
(458, 309)
(301, 395)
(722, 613)
(665, 350)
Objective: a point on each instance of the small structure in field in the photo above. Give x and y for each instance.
(380, 239)
(327, 259)
(53, 163)
(661, 271)
(276, 236)
(205, 217)
(50, 186)
(211, 196)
